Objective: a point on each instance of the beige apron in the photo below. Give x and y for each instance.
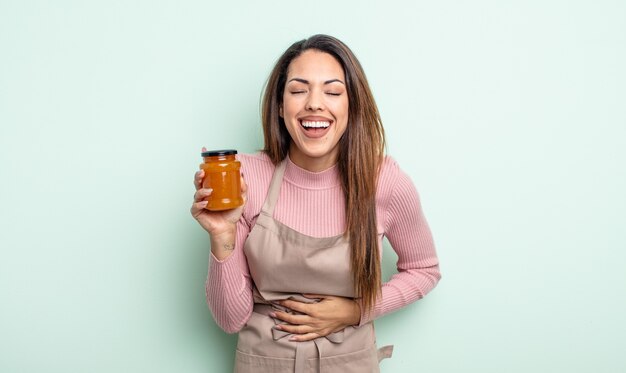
(286, 264)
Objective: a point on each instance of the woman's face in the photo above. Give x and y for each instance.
(315, 109)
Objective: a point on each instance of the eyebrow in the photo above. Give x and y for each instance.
(307, 82)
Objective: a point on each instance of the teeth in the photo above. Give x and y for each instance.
(315, 124)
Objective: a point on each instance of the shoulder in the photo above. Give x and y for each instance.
(391, 177)
(393, 185)
(389, 168)
(256, 166)
(255, 160)
(257, 170)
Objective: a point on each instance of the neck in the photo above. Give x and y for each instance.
(313, 164)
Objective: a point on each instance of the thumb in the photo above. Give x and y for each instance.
(315, 296)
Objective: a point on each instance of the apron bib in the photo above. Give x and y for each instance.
(285, 264)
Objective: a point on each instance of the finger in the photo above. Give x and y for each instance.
(295, 329)
(244, 186)
(203, 149)
(296, 306)
(198, 208)
(245, 200)
(244, 190)
(197, 180)
(292, 319)
(201, 194)
(316, 296)
(304, 337)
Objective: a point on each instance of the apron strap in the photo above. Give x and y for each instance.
(274, 189)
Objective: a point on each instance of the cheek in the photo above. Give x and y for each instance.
(289, 109)
(341, 108)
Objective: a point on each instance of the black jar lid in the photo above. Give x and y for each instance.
(213, 153)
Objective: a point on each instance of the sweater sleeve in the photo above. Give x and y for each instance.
(410, 237)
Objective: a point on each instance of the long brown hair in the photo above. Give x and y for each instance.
(361, 152)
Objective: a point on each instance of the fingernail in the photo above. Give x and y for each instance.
(293, 339)
(273, 314)
(278, 327)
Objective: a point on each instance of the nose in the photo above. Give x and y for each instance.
(315, 101)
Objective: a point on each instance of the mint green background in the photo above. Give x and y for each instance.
(510, 117)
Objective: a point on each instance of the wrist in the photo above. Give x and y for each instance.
(223, 244)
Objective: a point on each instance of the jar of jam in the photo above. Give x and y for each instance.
(221, 173)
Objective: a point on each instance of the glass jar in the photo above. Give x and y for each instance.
(221, 173)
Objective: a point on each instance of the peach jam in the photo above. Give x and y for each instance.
(221, 173)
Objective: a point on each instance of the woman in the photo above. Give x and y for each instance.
(296, 270)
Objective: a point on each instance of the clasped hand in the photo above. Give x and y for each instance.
(331, 314)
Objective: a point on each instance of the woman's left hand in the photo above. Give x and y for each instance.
(331, 314)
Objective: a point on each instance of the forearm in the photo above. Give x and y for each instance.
(228, 294)
(228, 285)
(403, 289)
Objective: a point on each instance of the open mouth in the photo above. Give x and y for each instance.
(314, 126)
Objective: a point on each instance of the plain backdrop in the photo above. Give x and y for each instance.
(509, 116)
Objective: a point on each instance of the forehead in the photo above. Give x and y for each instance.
(315, 65)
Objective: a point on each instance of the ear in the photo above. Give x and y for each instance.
(280, 111)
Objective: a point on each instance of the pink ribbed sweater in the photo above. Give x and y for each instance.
(313, 204)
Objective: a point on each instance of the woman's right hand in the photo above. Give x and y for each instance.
(216, 223)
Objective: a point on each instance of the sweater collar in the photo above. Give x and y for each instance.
(312, 180)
